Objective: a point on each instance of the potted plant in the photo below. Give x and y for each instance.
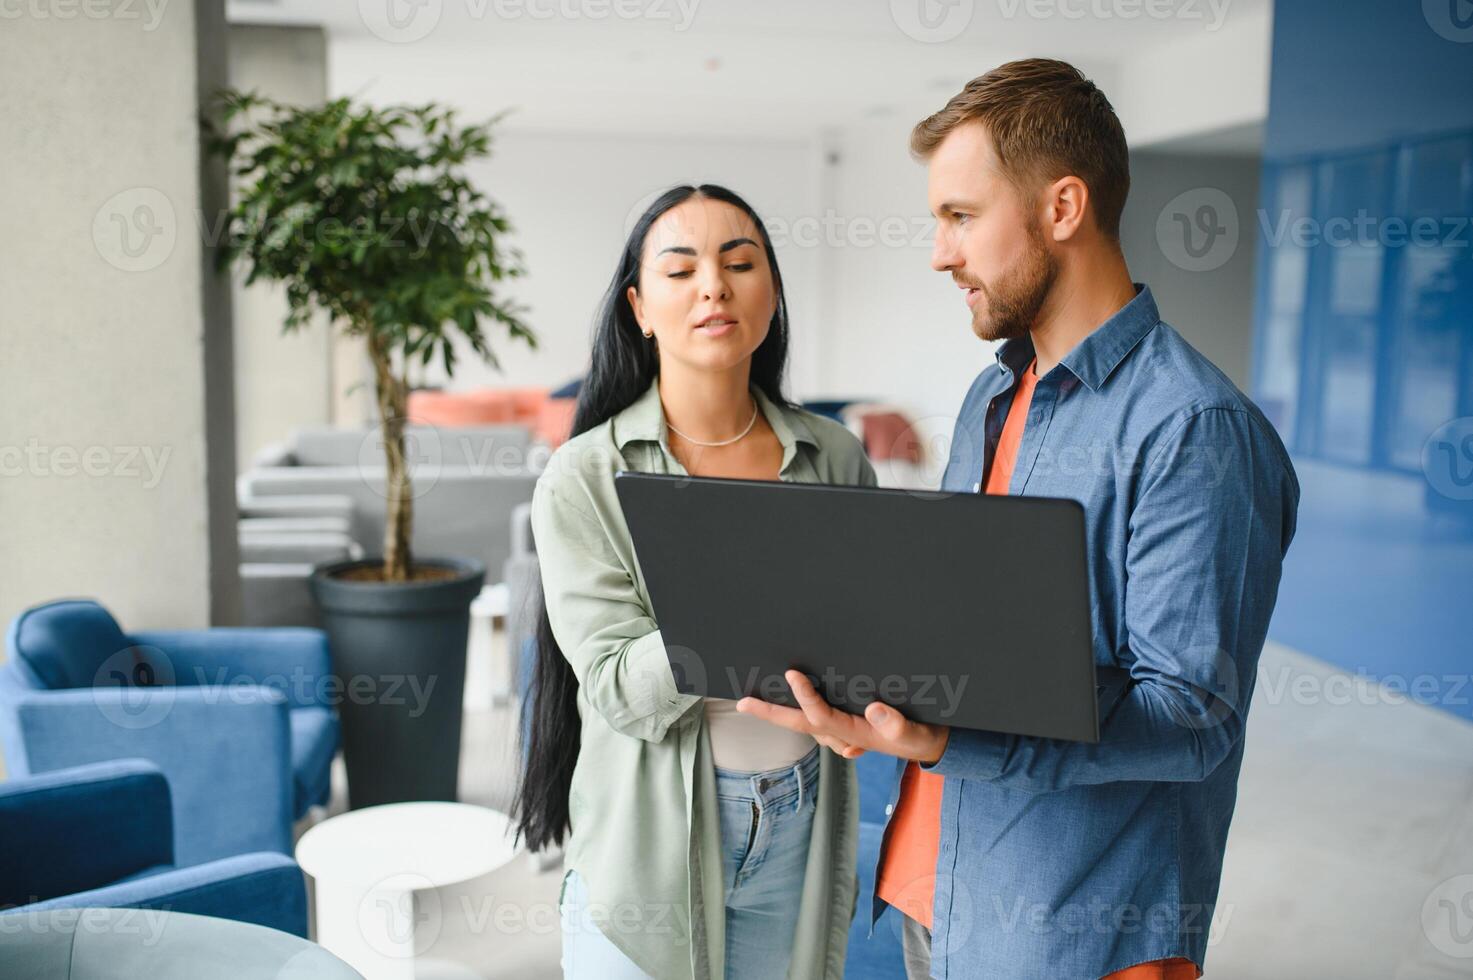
(367, 214)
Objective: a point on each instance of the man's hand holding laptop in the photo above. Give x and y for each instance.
(881, 729)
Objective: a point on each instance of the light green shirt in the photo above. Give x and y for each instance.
(645, 835)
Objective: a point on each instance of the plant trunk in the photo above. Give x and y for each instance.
(399, 516)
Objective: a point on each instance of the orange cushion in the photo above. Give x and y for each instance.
(555, 421)
(482, 406)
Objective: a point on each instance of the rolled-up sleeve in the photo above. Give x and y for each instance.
(1202, 564)
(600, 621)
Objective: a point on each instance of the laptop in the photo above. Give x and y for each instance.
(955, 608)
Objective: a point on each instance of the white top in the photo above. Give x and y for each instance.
(743, 743)
(440, 843)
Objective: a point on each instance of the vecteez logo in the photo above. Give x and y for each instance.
(1447, 459)
(135, 230)
(932, 21)
(1198, 229)
(1452, 20)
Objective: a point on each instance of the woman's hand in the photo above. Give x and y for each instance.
(882, 729)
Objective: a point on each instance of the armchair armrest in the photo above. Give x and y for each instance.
(82, 827)
(291, 659)
(264, 889)
(223, 750)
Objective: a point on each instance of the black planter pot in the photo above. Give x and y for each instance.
(398, 652)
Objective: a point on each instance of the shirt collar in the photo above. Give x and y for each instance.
(645, 420)
(1097, 356)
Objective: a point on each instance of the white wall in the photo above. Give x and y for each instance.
(1211, 307)
(282, 381)
(900, 331)
(1203, 82)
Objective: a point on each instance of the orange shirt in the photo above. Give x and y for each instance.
(907, 875)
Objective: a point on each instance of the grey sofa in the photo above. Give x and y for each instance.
(281, 538)
(321, 497)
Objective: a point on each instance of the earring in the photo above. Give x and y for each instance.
(649, 335)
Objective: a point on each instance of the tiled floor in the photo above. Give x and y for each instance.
(1352, 807)
(1352, 810)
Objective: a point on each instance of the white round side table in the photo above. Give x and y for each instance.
(390, 879)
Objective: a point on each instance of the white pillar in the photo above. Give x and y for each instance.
(116, 404)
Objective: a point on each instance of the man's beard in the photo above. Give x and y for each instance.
(1012, 303)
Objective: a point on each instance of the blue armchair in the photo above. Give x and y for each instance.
(237, 719)
(102, 835)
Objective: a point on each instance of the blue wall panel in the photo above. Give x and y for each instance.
(1364, 333)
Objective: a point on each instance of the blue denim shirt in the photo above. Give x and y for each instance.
(1069, 861)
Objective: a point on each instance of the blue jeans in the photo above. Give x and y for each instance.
(766, 822)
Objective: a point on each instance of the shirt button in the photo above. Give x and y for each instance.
(889, 809)
(976, 488)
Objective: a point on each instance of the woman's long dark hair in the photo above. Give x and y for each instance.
(624, 365)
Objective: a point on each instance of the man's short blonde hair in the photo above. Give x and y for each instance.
(1046, 121)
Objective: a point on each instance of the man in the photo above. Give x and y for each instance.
(1014, 857)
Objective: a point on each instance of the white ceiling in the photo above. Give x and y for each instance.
(763, 68)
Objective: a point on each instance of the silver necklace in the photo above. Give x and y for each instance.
(724, 442)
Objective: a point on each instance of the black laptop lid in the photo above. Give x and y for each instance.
(959, 609)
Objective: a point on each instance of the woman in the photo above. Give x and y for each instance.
(702, 843)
